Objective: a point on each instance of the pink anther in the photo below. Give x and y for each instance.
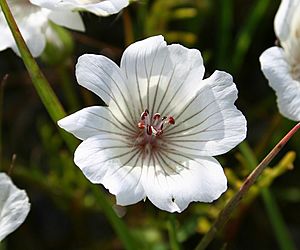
(149, 130)
(144, 114)
(171, 120)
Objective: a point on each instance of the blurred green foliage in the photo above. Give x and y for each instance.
(69, 213)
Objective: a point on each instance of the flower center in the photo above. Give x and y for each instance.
(154, 126)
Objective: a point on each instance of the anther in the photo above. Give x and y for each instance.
(144, 114)
(141, 125)
(156, 116)
(149, 130)
(171, 120)
(154, 126)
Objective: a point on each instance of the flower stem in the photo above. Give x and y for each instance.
(235, 200)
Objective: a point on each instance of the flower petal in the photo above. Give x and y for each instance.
(68, 19)
(14, 206)
(6, 38)
(30, 28)
(100, 8)
(159, 74)
(172, 181)
(103, 8)
(34, 40)
(93, 121)
(113, 161)
(278, 72)
(209, 124)
(103, 77)
(284, 18)
(46, 3)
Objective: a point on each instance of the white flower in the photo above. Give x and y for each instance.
(162, 126)
(281, 65)
(98, 7)
(33, 22)
(14, 206)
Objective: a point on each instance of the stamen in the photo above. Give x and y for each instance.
(154, 126)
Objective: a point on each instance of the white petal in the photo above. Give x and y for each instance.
(93, 121)
(30, 21)
(171, 182)
(277, 70)
(101, 8)
(103, 77)
(34, 40)
(6, 38)
(46, 3)
(14, 206)
(209, 124)
(113, 161)
(284, 18)
(159, 74)
(68, 19)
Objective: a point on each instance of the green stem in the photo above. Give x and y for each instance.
(226, 212)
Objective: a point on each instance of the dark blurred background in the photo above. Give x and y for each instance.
(66, 213)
